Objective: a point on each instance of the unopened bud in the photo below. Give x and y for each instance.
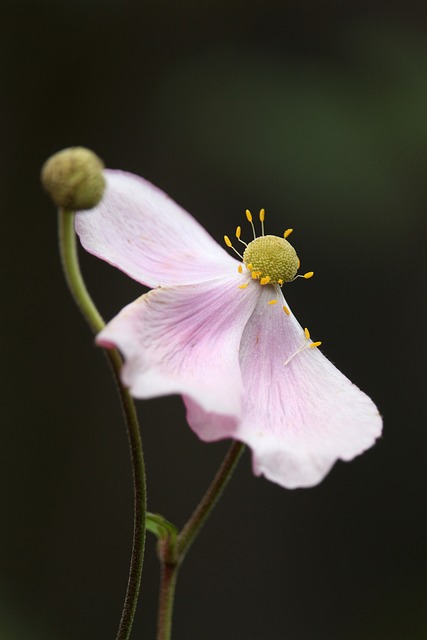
(74, 178)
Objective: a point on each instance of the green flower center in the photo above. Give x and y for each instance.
(271, 260)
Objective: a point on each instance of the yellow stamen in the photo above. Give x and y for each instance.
(280, 282)
(265, 280)
(308, 275)
(272, 302)
(250, 266)
(286, 310)
(249, 217)
(304, 346)
(240, 268)
(262, 218)
(287, 233)
(256, 274)
(243, 286)
(229, 244)
(238, 232)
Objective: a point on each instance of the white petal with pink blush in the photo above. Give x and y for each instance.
(139, 229)
(185, 340)
(220, 333)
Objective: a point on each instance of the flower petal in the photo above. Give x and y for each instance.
(185, 340)
(139, 229)
(298, 418)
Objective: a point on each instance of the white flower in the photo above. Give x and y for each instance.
(220, 333)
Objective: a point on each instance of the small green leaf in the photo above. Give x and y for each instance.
(160, 527)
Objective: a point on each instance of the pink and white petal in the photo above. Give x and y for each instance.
(210, 426)
(185, 340)
(298, 418)
(139, 229)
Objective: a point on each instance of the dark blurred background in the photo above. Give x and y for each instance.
(316, 111)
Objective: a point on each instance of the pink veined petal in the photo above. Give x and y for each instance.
(139, 229)
(298, 418)
(185, 340)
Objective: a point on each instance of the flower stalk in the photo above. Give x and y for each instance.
(70, 263)
(172, 549)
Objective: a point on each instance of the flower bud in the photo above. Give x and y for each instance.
(73, 178)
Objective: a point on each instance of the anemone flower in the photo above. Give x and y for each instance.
(217, 329)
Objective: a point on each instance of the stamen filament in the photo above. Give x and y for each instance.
(238, 232)
(306, 276)
(305, 345)
(295, 354)
(228, 243)
(249, 218)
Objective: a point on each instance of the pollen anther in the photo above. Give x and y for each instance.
(272, 302)
(249, 217)
(305, 345)
(262, 218)
(287, 233)
(230, 245)
(286, 310)
(265, 280)
(240, 268)
(243, 286)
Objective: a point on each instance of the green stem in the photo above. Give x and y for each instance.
(73, 276)
(70, 263)
(209, 500)
(172, 552)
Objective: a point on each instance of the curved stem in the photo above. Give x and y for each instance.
(73, 276)
(172, 551)
(70, 263)
(209, 500)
